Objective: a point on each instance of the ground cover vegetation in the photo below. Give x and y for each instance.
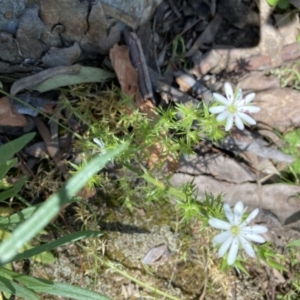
(98, 214)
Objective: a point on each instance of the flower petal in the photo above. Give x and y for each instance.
(247, 99)
(249, 109)
(219, 224)
(239, 96)
(220, 98)
(251, 216)
(222, 116)
(238, 212)
(258, 229)
(224, 247)
(253, 237)
(228, 213)
(229, 122)
(233, 251)
(246, 118)
(228, 92)
(238, 122)
(217, 109)
(222, 237)
(247, 246)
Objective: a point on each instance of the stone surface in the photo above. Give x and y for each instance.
(279, 108)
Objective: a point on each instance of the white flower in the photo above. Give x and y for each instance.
(237, 232)
(235, 108)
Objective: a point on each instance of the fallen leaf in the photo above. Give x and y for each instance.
(56, 57)
(156, 255)
(8, 117)
(56, 77)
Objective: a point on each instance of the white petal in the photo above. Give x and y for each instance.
(219, 224)
(258, 229)
(233, 251)
(224, 247)
(228, 213)
(222, 116)
(249, 109)
(238, 212)
(222, 237)
(247, 246)
(229, 122)
(239, 96)
(253, 237)
(228, 92)
(246, 118)
(251, 216)
(239, 123)
(217, 109)
(249, 98)
(220, 98)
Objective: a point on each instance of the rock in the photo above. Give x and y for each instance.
(279, 108)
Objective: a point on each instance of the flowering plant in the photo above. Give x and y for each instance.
(237, 232)
(235, 108)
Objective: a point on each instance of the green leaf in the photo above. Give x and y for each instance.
(283, 4)
(295, 243)
(86, 74)
(54, 288)
(19, 216)
(70, 238)
(13, 190)
(9, 286)
(5, 166)
(9, 149)
(272, 2)
(50, 208)
(275, 265)
(43, 257)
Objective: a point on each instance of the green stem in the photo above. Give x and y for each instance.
(140, 283)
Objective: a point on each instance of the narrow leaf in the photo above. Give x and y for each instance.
(5, 166)
(55, 288)
(9, 286)
(50, 208)
(13, 190)
(70, 238)
(9, 149)
(86, 74)
(19, 216)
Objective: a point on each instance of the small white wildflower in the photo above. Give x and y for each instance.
(237, 232)
(235, 108)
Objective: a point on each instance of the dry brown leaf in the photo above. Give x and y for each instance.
(52, 146)
(8, 117)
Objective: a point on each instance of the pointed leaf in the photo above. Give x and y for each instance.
(69, 238)
(9, 149)
(50, 208)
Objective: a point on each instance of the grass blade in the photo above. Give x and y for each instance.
(54, 288)
(69, 238)
(11, 287)
(12, 147)
(50, 208)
